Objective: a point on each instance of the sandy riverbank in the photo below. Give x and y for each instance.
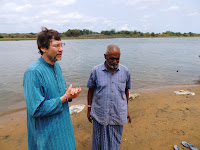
(160, 119)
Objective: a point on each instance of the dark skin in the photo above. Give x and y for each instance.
(112, 60)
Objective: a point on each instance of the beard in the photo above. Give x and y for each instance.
(53, 59)
(112, 66)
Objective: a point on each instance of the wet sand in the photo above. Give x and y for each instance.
(160, 120)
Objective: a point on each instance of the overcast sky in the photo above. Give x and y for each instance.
(25, 16)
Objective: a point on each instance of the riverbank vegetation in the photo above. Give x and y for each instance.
(88, 34)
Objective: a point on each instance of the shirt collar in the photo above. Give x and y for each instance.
(44, 62)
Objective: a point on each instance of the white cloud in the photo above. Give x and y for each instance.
(46, 21)
(73, 15)
(193, 14)
(125, 27)
(29, 15)
(134, 2)
(50, 13)
(168, 25)
(146, 18)
(172, 8)
(146, 27)
(54, 4)
(23, 8)
(27, 6)
(142, 8)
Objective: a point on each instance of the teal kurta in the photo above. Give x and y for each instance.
(49, 124)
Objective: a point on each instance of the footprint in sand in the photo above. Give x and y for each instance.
(177, 132)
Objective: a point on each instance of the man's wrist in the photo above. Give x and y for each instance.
(66, 97)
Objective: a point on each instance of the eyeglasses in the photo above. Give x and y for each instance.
(58, 45)
(111, 58)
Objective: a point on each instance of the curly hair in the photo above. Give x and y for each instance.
(44, 38)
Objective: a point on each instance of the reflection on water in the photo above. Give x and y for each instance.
(153, 63)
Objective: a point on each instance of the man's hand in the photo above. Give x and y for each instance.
(90, 119)
(72, 92)
(88, 114)
(129, 118)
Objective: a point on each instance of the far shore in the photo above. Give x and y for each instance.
(94, 37)
(160, 120)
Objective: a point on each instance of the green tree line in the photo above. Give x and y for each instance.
(85, 33)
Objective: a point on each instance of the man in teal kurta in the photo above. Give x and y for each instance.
(49, 124)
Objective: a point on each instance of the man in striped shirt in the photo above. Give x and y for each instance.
(108, 94)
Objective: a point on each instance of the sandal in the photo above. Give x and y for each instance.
(188, 145)
(178, 148)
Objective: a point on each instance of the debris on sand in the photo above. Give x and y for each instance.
(133, 96)
(74, 109)
(184, 92)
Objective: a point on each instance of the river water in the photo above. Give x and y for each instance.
(153, 63)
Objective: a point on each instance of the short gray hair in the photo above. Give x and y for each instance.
(112, 48)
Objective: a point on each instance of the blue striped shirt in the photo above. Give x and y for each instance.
(109, 103)
(49, 124)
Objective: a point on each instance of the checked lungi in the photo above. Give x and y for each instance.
(106, 137)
